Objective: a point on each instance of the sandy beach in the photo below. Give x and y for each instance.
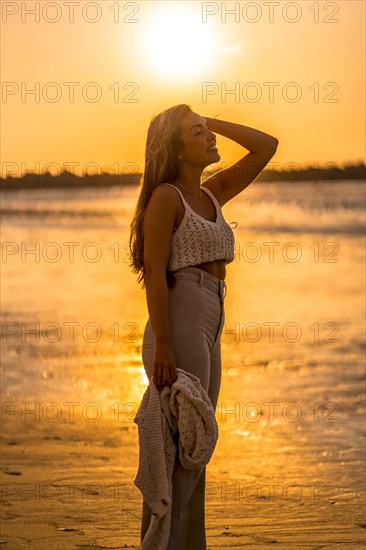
(288, 468)
(69, 485)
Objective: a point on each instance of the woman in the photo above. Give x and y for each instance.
(180, 244)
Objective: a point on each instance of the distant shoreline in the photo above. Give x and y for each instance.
(312, 174)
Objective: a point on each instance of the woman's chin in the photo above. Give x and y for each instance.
(214, 157)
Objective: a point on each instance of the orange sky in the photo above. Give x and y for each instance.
(171, 52)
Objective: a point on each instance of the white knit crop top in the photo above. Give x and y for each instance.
(198, 240)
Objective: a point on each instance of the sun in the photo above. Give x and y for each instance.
(177, 43)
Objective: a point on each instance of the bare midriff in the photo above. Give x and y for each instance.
(217, 268)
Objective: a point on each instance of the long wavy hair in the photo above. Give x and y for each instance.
(161, 166)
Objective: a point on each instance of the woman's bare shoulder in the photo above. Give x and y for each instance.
(164, 187)
(164, 197)
(166, 192)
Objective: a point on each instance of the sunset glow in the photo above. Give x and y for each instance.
(94, 75)
(177, 44)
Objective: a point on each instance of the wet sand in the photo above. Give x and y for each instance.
(69, 485)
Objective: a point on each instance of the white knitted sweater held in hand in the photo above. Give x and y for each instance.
(184, 410)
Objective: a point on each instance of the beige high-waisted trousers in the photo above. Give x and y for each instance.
(196, 318)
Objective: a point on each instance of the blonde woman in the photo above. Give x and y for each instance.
(180, 244)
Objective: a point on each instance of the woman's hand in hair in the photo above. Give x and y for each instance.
(165, 373)
(209, 121)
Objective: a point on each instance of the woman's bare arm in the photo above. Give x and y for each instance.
(228, 183)
(158, 229)
(252, 139)
(157, 304)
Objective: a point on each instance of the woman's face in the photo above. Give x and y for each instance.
(198, 142)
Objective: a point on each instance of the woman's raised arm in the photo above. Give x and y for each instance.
(230, 182)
